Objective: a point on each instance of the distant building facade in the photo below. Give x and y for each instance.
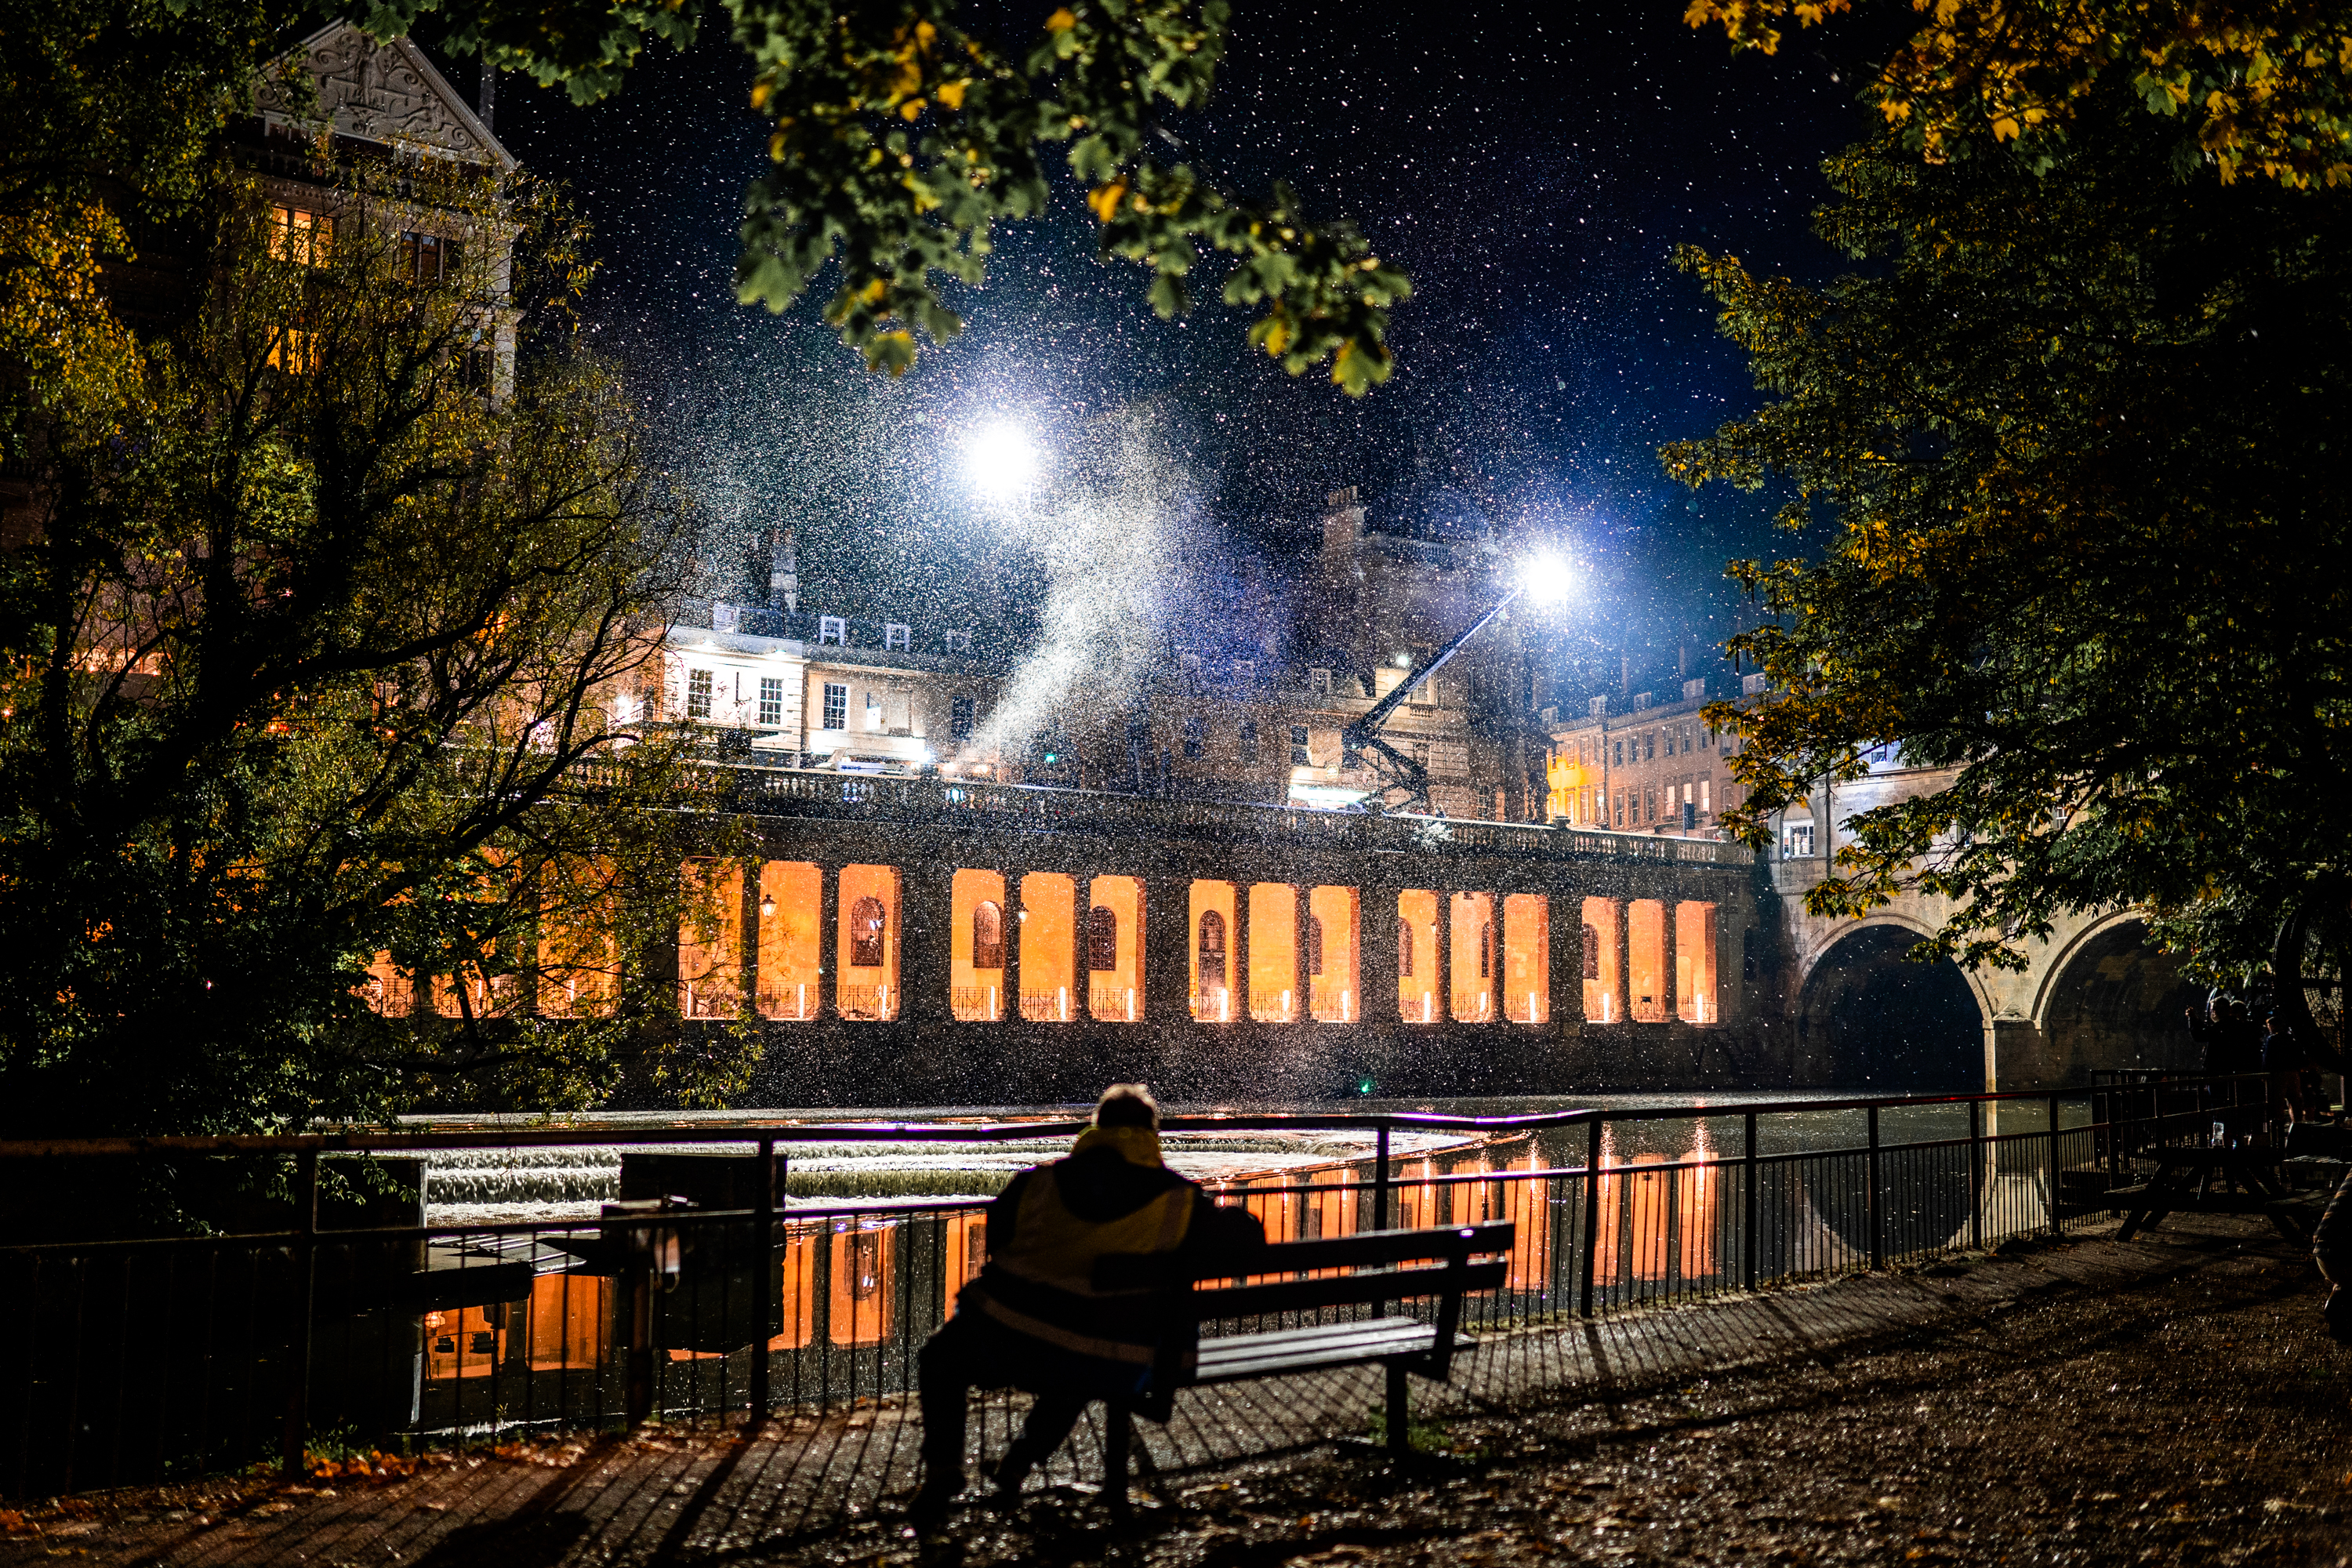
(1256, 719)
(1655, 768)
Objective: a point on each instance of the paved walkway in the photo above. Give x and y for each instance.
(830, 1489)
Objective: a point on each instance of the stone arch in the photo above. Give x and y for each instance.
(2109, 998)
(1867, 1018)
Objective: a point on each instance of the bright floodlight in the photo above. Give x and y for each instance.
(999, 460)
(1544, 578)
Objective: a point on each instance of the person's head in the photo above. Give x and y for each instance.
(1127, 1105)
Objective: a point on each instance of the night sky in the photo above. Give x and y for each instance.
(1530, 176)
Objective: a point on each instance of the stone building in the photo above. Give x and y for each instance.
(1656, 768)
(1247, 704)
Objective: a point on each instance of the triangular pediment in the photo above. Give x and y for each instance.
(386, 92)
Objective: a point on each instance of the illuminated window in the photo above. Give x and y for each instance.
(865, 933)
(1592, 953)
(837, 705)
(428, 259)
(771, 699)
(300, 237)
(698, 694)
(294, 351)
(1102, 940)
(1212, 949)
(987, 935)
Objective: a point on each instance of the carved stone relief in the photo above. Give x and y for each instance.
(384, 92)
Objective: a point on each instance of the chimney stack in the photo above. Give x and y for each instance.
(783, 574)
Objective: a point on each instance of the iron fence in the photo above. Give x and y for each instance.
(153, 1359)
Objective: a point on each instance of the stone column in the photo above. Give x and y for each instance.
(1566, 958)
(1166, 945)
(1442, 961)
(1668, 905)
(1303, 895)
(1237, 957)
(1011, 1011)
(1376, 968)
(828, 942)
(926, 908)
(1622, 1003)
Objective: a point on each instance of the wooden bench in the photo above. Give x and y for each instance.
(1309, 1276)
(2196, 1179)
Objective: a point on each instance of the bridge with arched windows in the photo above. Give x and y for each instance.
(911, 941)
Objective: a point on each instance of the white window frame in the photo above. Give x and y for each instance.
(895, 635)
(771, 700)
(702, 692)
(958, 640)
(836, 705)
(1318, 682)
(832, 629)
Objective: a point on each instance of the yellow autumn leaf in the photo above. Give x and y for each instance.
(871, 293)
(911, 109)
(951, 94)
(1103, 201)
(1061, 21)
(2005, 128)
(761, 92)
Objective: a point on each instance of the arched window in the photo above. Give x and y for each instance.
(1314, 944)
(1212, 948)
(1592, 953)
(1487, 951)
(1102, 938)
(865, 933)
(987, 935)
(1404, 948)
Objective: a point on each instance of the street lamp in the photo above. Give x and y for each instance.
(1544, 578)
(1000, 460)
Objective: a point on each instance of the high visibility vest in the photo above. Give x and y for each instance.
(1042, 1285)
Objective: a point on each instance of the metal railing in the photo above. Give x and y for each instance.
(154, 1359)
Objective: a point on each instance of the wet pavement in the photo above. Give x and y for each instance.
(2170, 1400)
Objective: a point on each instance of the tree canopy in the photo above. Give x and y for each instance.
(2265, 88)
(2074, 424)
(899, 137)
(323, 668)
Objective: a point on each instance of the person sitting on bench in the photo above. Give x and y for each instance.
(1034, 1320)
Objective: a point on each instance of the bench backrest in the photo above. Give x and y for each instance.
(1341, 1271)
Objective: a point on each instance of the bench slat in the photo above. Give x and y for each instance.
(1128, 1271)
(1259, 1355)
(1340, 1290)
